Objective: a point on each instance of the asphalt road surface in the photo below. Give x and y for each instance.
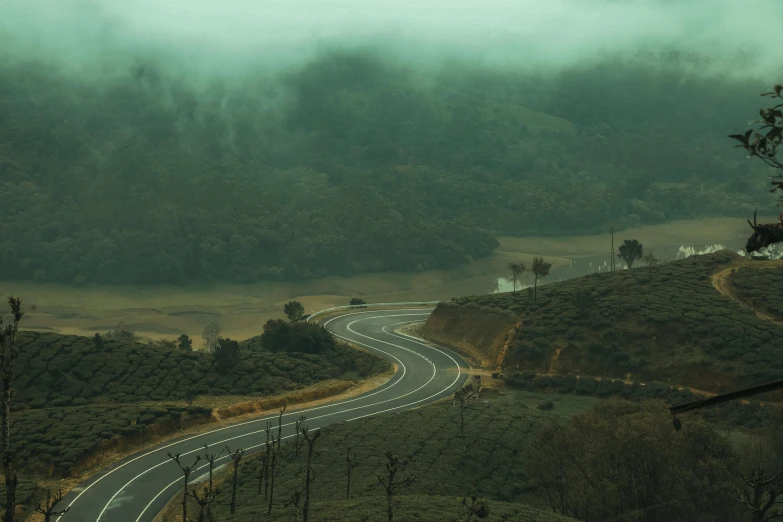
(136, 488)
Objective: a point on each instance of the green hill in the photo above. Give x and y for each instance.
(668, 324)
(508, 454)
(349, 163)
(76, 402)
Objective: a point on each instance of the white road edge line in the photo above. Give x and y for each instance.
(106, 506)
(82, 492)
(413, 339)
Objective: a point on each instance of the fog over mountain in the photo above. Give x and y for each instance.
(226, 33)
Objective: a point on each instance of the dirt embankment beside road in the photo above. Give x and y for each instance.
(479, 333)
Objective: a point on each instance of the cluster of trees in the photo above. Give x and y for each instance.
(362, 165)
(623, 460)
(538, 269)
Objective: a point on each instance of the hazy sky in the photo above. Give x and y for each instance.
(550, 31)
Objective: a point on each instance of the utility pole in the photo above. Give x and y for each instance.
(611, 257)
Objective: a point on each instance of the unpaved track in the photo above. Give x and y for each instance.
(720, 281)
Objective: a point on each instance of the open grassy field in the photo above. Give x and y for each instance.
(667, 324)
(167, 310)
(446, 465)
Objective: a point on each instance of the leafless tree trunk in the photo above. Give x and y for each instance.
(280, 426)
(760, 494)
(273, 473)
(309, 476)
(295, 500)
(351, 463)
(267, 456)
(236, 457)
(47, 508)
(210, 458)
(297, 442)
(261, 471)
(390, 484)
(186, 471)
(7, 362)
(205, 501)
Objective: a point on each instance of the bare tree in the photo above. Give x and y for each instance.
(351, 462)
(273, 472)
(540, 269)
(262, 470)
(297, 441)
(46, 508)
(760, 494)
(186, 471)
(263, 474)
(211, 458)
(211, 334)
(516, 270)
(651, 261)
(8, 353)
(391, 484)
(280, 426)
(462, 395)
(204, 500)
(295, 501)
(309, 475)
(236, 458)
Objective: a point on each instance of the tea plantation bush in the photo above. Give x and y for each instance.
(67, 370)
(667, 324)
(489, 456)
(51, 441)
(759, 288)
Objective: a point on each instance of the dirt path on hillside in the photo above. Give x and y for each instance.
(720, 281)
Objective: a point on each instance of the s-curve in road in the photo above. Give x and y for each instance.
(136, 488)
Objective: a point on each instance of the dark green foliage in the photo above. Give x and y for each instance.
(55, 440)
(546, 405)
(358, 165)
(293, 310)
(226, 355)
(300, 337)
(760, 289)
(584, 301)
(128, 371)
(355, 301)
(489, 455)
(27, 495)
(630, 251)
(674, 327)
(184, 342)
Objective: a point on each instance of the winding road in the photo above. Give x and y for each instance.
(136, 488)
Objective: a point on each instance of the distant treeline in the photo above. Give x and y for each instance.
(351, 164)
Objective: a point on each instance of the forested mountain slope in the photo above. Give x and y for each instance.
(350, 163)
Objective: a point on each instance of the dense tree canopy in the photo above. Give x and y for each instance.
(350, 163)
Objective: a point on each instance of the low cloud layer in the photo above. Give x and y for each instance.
(229, 32)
